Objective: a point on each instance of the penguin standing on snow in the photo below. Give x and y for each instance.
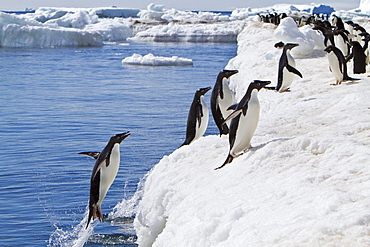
(244, 122)
(221, 99)
(286, 69)
(198, 117)
(104, 172)
(337, 65)
(359, 58)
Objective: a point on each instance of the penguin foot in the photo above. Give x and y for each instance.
(228, 160)
(286, 90)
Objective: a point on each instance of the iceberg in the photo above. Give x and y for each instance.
(218, 32)
(304, 183)
(18, 32)
(151, 60)
(116, 12)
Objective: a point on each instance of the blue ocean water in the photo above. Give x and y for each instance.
(55, 103)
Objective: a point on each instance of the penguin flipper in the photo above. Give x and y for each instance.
(228, 160)
(232, 107)
(199, 114)
(293, 70)
(233, 114)
(94, 155)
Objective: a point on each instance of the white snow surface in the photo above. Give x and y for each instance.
(151, 60)
(306, 182)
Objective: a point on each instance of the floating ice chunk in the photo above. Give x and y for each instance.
(151, 60)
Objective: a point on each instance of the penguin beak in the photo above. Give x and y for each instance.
(233, 72)
(120, 137)
(294, 45)
(265, 83)
(206, 89)
(261, 84)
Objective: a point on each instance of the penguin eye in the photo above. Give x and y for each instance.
(259, 84)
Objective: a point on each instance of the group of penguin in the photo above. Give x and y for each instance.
(342, 45)
(237, 119)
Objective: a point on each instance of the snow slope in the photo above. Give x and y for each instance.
(306, 182)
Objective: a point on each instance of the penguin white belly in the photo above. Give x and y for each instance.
(227, 101)
(204, 123)
(341, 44)
(247, 126)
(287, 80)
(108, 174)
(287, 76)
(335, 67)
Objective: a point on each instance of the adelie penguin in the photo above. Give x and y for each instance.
(221, 99)
(244, 122)
(337, 65)
(198, 117)
(104, 172)
(286, 70)
(359, 58)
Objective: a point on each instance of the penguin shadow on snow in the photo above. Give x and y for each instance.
(252, 150)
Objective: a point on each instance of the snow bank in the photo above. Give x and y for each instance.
(306, 37)
(218, 32)
(305, 182)
(151, 60)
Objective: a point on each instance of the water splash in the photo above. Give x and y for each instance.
(128, 207)
(123, 214)
(76, 237)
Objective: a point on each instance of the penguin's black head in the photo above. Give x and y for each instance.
(279, 45)
(119, 137)
(329, 49)
(227, 73)
(291, 46)
(257, 84)
(355, 44)
(203, 91)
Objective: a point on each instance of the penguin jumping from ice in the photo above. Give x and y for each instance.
(244, 121)
(104, 172)
(198, 117)
(221, 99)
(286, 70)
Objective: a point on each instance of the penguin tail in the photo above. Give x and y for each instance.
(270, 88)
(94, 212)
(228, 160)
(347, 78)
(224, 130)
